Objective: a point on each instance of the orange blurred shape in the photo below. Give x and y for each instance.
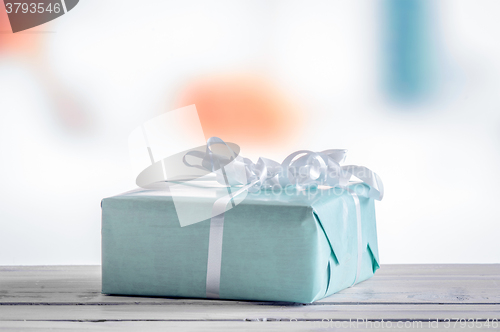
(242, 108)
(21, 42)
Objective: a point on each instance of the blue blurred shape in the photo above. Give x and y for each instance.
(408, 52)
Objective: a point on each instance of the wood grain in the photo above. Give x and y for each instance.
(223, 326)
(68, 298)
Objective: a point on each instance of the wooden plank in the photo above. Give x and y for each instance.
(237, 326)
(243, 312)
(391, 284)
(68, 298)
(415, 270)
(473, 292)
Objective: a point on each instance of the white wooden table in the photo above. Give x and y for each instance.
(398, 297)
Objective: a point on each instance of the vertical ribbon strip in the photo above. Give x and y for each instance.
(214, 262)
(359, 235)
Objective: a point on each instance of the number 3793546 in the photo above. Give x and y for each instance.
(32, 8)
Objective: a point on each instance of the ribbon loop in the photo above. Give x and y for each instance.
(302, 169)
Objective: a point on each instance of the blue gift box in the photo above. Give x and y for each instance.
(293, 245)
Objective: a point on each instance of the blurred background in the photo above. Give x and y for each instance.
(410, 88)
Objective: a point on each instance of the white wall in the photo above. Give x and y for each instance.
(119, 63)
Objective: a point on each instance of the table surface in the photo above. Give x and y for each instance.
(398, 297)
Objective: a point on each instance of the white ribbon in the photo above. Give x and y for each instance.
(359, 235)
(303, 169)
